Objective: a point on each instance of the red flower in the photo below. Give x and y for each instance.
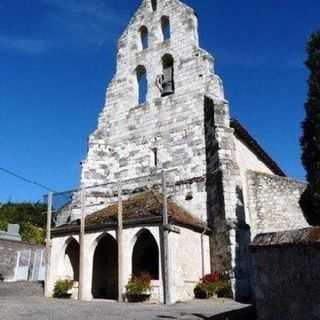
(211, 278)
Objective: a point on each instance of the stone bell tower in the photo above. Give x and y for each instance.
(155, 99)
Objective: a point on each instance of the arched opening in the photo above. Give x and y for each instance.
(141, 74)
(145, 256)
(105, 269)
(165, 27)
(168, 75)
(71, 260)
(144, 37)
(154, 5)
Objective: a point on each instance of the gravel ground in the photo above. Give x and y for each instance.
(38, 308)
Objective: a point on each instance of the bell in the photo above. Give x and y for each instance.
(168, 83)
(167, 88)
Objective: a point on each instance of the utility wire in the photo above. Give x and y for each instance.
(26, 179)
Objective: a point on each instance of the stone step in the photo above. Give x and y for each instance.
(21, 288)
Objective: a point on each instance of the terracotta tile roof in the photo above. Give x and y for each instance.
(307, 236)
(144, 205)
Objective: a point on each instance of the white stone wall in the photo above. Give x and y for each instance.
(273, 203)
(121, 146)
(248, 161)
(186, 262)
(185, 251)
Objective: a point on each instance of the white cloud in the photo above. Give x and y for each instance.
(83, 21)
(76, 25)
(23, 45)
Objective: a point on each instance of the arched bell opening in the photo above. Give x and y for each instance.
(168, 85)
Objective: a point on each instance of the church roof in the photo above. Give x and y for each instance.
(145, 205)
(243, 134)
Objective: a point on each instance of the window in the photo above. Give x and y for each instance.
(168, 75)
(165, 26)
(154, 5)
(142, 84)
(144, 37)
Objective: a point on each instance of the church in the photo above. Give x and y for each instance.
(165, 110)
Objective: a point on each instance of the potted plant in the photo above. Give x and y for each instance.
(62, 289)
(139, 288)
(213, 284)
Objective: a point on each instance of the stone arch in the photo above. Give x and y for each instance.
(166, 28)
(145, 254)
(144, 38)
(142, 84)
(105, 268)
(71, 256)
(168, 84)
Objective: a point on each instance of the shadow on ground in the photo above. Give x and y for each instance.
(248, 313)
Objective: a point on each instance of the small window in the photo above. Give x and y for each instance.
(154, 5)
(168, 75)
(155, 156)
(142, 84)
(144, 37)
(165, 26)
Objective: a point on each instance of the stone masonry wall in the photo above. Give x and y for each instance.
(229, 241)
(121, 147)
(287, 276)
(274, 203)
(8, 256)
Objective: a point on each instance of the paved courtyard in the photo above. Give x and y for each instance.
(38, 308)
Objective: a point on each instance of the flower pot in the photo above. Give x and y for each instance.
(138, 297)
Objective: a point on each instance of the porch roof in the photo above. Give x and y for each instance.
(145, 205)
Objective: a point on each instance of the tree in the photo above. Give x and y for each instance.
(310, 141)
(30, 216)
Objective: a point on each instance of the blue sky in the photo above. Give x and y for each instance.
(57, 56)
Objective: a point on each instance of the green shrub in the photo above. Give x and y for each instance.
(3, 225)
(223, 290)
(139, 285)
(200, 292)
(61, 288)
(32, 234)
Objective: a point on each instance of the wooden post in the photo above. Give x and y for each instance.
(202, 254)
(120, 244)
(165, 222)
(48, 245)
(82, 244)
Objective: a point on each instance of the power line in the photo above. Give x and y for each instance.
(26, 179)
